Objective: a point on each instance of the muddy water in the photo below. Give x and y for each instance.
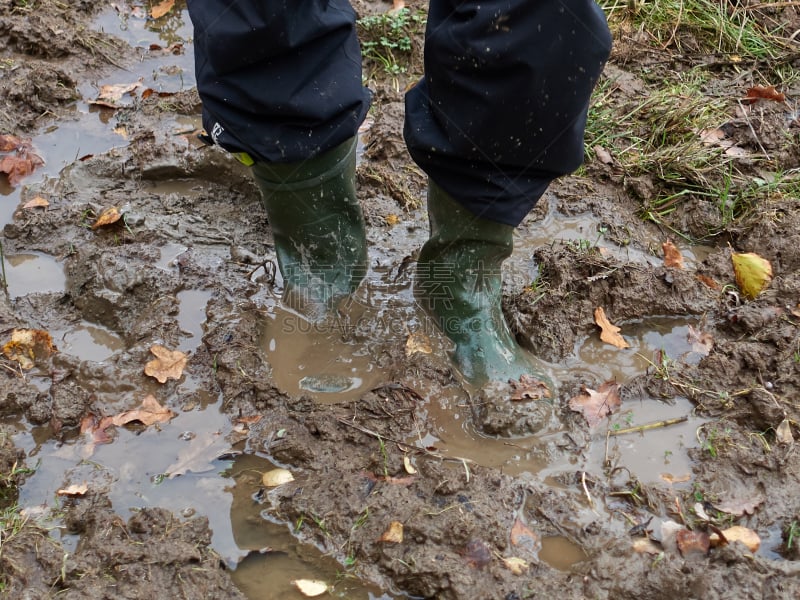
(136, 469)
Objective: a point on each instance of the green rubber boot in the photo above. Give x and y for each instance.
(318, 228)
(458, 283)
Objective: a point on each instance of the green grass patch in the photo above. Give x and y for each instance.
(387, 41)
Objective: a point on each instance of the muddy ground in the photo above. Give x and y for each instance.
(356, 464)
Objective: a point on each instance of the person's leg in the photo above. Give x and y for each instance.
(281, 87)
(499, 114)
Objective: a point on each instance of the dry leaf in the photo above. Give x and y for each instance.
(700, 511)
(110, 95)
(76, 489)
(603, 155)
(529, 388)
(37, 202)
(595, 405)
(740, 534)
(310, 587)
(608, 333)
(692, 543)
(741, 506)
(708, 282)
(148, 413)
(783, 433)
(18, 166)
(669, 478)
(753, 273)
(107, 217)
(159, 10)
(418, 342)
(717, 137)
(250, 419)
(94, 429)
(523, 537)
(391, 220)
(645, 546)
(29, 345)
(408, 466)
(702, 342)
(393, 534)
(169, 364)
(516, 565)
(764, 92)
(672, 256)
(276, 477)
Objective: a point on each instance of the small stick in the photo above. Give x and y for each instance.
(586, 491)
(648, 426)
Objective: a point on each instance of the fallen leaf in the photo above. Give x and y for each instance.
(169, 364)
(741, 506)
(159, 10)
(672, 256)
(608, 333)
(517, 566)
(10, 142)
(29, 345)
(408, 466)
(110, 95)
(692, 543)
(701, 341)
(18, 166)
(418, 343)
(737, 533)
(393, 533)
(391, 220)
(37, 202)
(717, 137)
(783, 433)
(753, 273)
(700, 511)
(199, 455)
(603, 155)
(595, 405)
(645, 546)
(310, 587)
(708, 282)
(523, 537)
(250, 419)
(149, 413)
(95, 431)
(107, 217)
(276, 477)
(76, 489)
(764, 92)
(529, 388)
(669, 478)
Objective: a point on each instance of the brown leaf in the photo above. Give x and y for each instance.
(18, 166)
(672, 256)
(169, 364)
(393, 533)
(29, 345)
(76, 489)
(740, 506)
(708, 282)
(418, 342)
(529, 388)
(608, 333)
(783, 433)
(37, 202)
(107, 217)
(159, 10)
(692, 543)
(110, 95)
(9, 143)
(670, 478)
(737, 533)
(702, 342)
(95, 431)
(148, 413)
(764, 92)
(595, 405)
(523, 537)
(603, 155)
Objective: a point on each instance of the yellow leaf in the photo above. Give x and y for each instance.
(310, 587)
(148, 413)
(391, 220)
(517, 566)
(159, 10)
(107, 217)
(276, 477)
(37, 202)
(753, 273)
(737, 533)
(394, 533)
(28, 345)
(169, 364)
(418, 342)
(608, 333)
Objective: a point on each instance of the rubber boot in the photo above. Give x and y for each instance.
(459, 283)
(318, 228)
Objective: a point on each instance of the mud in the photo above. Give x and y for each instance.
(475, 479)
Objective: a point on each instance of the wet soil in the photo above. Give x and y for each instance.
(479, 482)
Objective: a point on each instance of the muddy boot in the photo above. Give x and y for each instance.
(318, 228)
(458, 283)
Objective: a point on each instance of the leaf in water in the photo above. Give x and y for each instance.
(529, 388)
(276, 477)
(608, 333)
(737, 533)
(597, 404)
(107, 217)
(672, 256)
(95, 431)
(37, 202)
(169, 364)
(523, 537)
(701, 341)
(692, 543)
(161, 9)
(148, 413)
(29, 345)
(74, 490)
(393, 533)
(110, 95)
(753, 273)
(199, 455)
(310, 587)
(22, 162)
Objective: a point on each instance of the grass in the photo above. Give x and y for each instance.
(386, 42)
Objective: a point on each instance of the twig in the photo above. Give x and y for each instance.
(648, 426)
(586, 491)
(752, 130)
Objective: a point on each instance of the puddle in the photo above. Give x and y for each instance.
(33, 272)
(88, 341)
(560, 553)
(192, 316)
